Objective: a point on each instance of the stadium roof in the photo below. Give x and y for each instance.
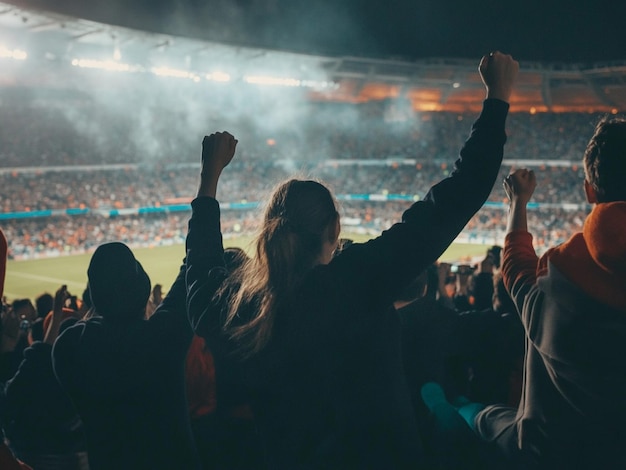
(429, 84)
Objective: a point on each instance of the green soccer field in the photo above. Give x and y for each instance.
(29, 278)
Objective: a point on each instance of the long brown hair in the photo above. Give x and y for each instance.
(300, 216)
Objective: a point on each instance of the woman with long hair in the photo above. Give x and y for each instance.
(310, 339)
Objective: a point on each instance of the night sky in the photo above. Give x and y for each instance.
(541, 30)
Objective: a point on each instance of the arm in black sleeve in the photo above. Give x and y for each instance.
(34, 395)
(205, 266)
(383, 266)
(172, 310)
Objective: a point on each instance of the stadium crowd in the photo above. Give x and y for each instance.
(66, 132)
(98, 188)
(102, 191)
(44, 138)
(315, 352)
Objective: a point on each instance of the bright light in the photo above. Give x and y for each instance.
(102, 64)
(16, 54)
(177, 73)
(456, 85)
(277, 81)
(290, 82)
(218, 77)
(319, 85)
(117, 55)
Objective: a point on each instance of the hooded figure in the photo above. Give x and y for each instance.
(125, 374)
(118, 285)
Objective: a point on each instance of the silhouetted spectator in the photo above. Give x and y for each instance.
(44, 304)
(572, 303)
(313, 337)
(41, 423)
(126, 374)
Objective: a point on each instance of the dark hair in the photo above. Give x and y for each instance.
(605, 160)
(234, 258)
(20, 303)
(502, 301)
(36, 330)
(300, 215)
(495, 251)
(44, 304)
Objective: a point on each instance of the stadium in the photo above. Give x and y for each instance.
(395, 125)
(101, 131)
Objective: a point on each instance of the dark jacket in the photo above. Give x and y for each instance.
(127, 382)
(40, 418)
(329, 390)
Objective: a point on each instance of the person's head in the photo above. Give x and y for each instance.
(300, 230)
(605, 162)
(119, 287)
(495, 253)
(502, 301)
(300, 227)
(36, 331)
(24, 309)
(234, 258)
(44, 304)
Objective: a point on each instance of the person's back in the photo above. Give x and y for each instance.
(322, 361)
(573, 306)
(125, 374)
(329, 387)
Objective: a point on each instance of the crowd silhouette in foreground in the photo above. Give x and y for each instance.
(316, 352)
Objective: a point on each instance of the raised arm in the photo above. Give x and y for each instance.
(519, 260)
(387, 263)
(60, 297)
(205, 251)
(217, 152)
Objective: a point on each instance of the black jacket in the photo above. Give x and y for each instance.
(128, 384)
(40, 418)
(329, 390)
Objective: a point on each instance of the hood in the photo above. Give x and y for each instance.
(595, 260)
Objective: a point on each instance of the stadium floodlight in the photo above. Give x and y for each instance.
(103, 65)
(289, 82)
(319, 85)
(218, 77)
(15, 54)
(276, 81)
(176, 73)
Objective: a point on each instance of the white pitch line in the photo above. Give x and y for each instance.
(51, 280)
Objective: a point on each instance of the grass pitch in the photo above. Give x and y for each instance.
(30, 278)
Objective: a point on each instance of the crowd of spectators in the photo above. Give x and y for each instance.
(51, 133)
(304, 355)
(101, 191)
(149, 187)
(73, 133)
